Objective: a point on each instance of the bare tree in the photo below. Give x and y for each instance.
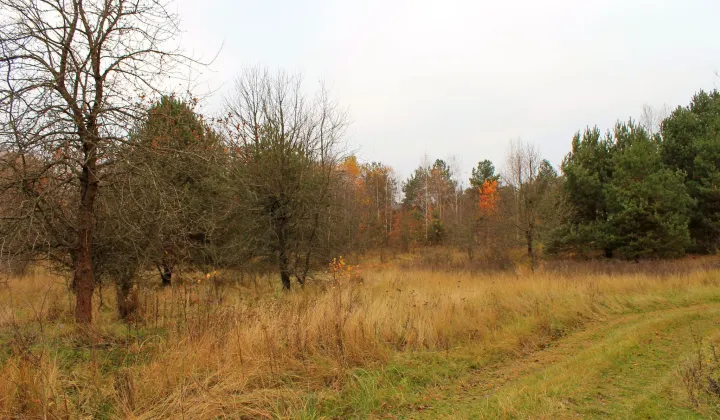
(287, 152)
(73, 73)
(529, 179)
(652, 118)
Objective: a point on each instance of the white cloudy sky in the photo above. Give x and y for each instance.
(462, 78)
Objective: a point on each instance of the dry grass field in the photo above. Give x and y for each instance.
(398, 340)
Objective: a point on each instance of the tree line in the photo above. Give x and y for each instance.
(648, 189)
(105, 176)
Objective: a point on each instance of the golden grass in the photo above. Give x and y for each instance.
(200, 350)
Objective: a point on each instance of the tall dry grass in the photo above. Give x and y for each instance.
(216, 348)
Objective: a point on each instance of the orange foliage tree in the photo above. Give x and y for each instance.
(488, 196)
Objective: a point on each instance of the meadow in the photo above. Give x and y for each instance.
(408, 338)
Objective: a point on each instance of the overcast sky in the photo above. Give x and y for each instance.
(463, 78)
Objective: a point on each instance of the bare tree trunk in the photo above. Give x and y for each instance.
(127, 299)
(426, 205)
(306, 266)
(166, 272)
(284, 265)
(530, 251)
(283, 258)
(386, 229)
(83, 275)
(377, 198)
(83, 281)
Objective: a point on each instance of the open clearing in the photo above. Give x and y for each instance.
(575, 341)
(623, 368)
